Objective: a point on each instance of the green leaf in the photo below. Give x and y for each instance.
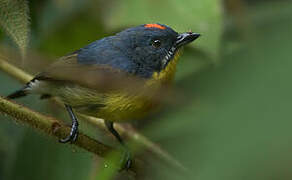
(14, 19)
(202, 16)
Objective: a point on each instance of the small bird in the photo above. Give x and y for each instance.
(116, 78)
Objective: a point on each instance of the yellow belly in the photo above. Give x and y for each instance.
(118, 106)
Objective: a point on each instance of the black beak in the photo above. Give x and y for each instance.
(186, 38)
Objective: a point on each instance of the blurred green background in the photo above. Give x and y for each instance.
(236, 120)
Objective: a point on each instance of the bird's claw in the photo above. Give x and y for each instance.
(71, 138)
(126, 160)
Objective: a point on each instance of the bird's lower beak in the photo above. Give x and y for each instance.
(186, 38)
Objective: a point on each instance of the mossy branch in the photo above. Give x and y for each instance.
(131, 134)
(50, 126)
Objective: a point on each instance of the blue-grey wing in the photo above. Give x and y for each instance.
(107, 52)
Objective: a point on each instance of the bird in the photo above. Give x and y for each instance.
(116, 78)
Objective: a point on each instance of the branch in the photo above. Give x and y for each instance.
(50, 126)
(14, 71)
(134, 136)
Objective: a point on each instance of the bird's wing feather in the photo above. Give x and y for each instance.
(101, 77)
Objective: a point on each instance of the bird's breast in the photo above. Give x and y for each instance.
(123, 106)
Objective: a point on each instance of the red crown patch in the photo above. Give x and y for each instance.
(154, 26)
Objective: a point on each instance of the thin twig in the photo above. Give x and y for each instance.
(140, 141)
(14, 71)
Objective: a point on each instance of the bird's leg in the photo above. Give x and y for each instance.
(126, 161)
(74, 128)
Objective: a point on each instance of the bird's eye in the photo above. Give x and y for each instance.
(156, 43)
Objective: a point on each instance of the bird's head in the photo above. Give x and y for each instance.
(153, 46)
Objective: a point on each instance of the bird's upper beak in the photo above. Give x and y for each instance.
(185, 38)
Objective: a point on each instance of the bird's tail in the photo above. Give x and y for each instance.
(19, 93)
(30, 87)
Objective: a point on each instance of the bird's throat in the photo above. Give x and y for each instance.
(166, 75)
